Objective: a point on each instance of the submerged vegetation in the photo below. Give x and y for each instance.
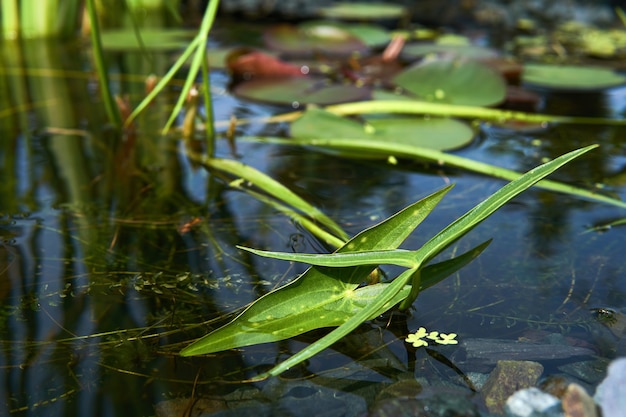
(155, 214)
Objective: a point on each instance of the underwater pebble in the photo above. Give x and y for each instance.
(304, 398)
(431, 402)
(507, 378)
(478, 354)
(577, 403)
(610, 393)
(532, 402)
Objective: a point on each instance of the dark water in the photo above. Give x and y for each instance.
(117, 250)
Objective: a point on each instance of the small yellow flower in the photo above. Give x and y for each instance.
(447, 339)
(433, 336)
(416, 340)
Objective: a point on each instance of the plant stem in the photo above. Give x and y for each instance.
(200, 55)
(208, 108)
(107, 97)
(10, 19)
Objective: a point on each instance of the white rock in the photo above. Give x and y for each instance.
(532, 402)
(611, 393)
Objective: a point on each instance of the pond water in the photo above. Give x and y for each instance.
(117, 251)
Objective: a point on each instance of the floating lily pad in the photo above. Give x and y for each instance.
(326, 38)
(431, 133)
(298, 91)
(460, 82)
(363, 11)
(371, 35)
(570, 77)
(389, 95)
(419, 50)
(152, 39)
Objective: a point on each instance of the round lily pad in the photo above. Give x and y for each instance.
(363, 11)
(571, 77)
(431, 133)
(305, 40)
(371, 35)
(419, 50)
(299, 91)
(460, 82)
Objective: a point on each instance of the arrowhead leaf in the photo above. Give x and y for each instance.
(321, 296)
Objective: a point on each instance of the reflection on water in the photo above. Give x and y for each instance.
(116, 250)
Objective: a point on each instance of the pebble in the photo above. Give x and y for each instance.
(577, 403)
(611, 393)
(507, 378)
(532, 402)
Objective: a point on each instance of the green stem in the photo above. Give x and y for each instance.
(200, 55)
(107, 97)
(10, 19)
(453, 110)
(208, 107)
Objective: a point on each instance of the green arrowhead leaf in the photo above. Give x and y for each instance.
(398, 257)
(321, 297)
(434, 246)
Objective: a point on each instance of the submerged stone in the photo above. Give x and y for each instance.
(430, 403)
(480, 354)
(507, 378)
(610, 393)
(532, 402)
(577, 403)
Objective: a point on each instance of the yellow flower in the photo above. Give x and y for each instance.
(433, 336)
(416, 340)
(447, 339)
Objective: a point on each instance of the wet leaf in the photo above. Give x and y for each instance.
(370, 34)
(571, 77)
(430, 249)
(460, 82)
(321, 297)
(308, 39)
(246, 64)
(419, 50)
(299, 91)
(363, 11)
(433, 133)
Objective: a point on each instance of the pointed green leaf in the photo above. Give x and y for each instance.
(307, 303)
(398, 257)
(434, 246)
(273, 188)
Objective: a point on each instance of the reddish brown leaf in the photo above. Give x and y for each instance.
(247, 64)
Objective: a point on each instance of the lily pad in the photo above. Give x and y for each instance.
(571, 77)
(363, 11)
(419, 50)
(326, 38)
(371, 35)
(152, 39)
(462, 82)
(298, 91)
(433, 133)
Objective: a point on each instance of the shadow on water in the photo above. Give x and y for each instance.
(116, 249)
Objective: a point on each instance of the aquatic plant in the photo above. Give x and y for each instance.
(330, 296)
(417, 338)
